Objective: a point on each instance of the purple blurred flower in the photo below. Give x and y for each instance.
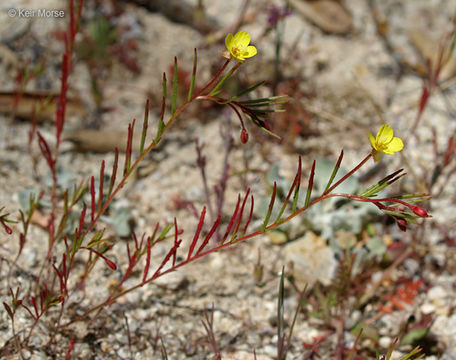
(276, 14)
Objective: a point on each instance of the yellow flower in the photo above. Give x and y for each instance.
(385, 142)
(238, 46)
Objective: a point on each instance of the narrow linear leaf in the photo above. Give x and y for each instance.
(246, 91)
(135, 238)
(241, 213)
(175, 81)
(100, 189)
(271, 205)
(250, 216)
(97, 239)
(353, 349)
(266, 100)
(61, 279)
(197, 233)
(380, 186)
(216, 90)
(145, 126)
(64, 271)
(67, 247)
(65, 202)
(108, 262)
(258, 122)
(154, 233)
(46, 151)
(165, 231)
(114, 171)
(296, 193)
(81, 220)
(129, 147)
(334, 173)
(8, 310)
(417, 197)
(233, 218)
(175, 241)
(261, 112)
(280, 317)
(272, 103)
(192, 83)
(391, 349)
(171, 252)
(388, 180)
(209, 235)
(310, 185)
(78, 192)
(147, 266)
(161, 124)
(92, 198)
(285, 202)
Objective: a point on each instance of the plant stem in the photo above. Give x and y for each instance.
(201, 254)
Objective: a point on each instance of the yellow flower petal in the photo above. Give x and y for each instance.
(385, 142)
(372, 140)
(250, 51)
(229, 41)
(385, 134)
(395, 145)
(242, 39)
(238, 46)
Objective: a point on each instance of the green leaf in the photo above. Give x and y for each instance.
(175, 80)
(268, 100)
(413, 336)
(192, 83)
(368, 331)
(97, 239)
(217, 88)
(242, 93)
(334, 173)
(25, 196)
(145, 126)
(165, 231)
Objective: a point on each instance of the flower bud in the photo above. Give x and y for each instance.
(419, 211)
(6, 227)
(244, 136)
(402, 224)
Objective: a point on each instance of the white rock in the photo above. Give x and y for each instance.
(439, 298)
(384, 342)
(427, 308)
(313, 260)
(445, 329)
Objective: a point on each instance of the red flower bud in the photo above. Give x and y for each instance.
(111, 264)
(6, 227)
(419, 211)
(244, 136)
(402, 224)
